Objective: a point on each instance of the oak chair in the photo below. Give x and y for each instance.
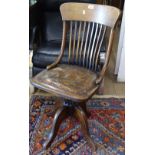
(77, 81)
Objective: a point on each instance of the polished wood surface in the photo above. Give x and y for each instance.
(82, 118)
(102, 14)
(74, 110)
(69, 81)
(76, 82)
(88, 42)
(60, 115)
(62, 47)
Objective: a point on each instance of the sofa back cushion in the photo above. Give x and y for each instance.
(53, 5)
(51, 26)
(51, 21)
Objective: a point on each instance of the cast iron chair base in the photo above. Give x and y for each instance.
(73, 109)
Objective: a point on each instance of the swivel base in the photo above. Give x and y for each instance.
(77, 110)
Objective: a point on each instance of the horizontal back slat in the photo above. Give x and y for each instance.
(103, 14)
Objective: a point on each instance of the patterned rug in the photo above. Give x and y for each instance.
(106, 126)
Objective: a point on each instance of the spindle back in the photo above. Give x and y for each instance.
(86, 26)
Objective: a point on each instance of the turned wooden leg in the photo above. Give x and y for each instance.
(60, 114)
(81, 117)
(84, 107)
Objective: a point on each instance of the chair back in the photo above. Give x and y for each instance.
(86, 26)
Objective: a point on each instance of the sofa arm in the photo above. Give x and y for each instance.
(32, 34)
(34, 14)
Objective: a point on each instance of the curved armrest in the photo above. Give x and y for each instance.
(62, 48)
(101, 76)
(109, 48)
(53, 64)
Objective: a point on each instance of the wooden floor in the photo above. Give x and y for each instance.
(111, 86)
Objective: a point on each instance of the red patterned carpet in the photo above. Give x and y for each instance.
(106, 126)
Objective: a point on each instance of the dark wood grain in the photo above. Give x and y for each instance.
(82, 118)
(62, 47)
(60, 115)
(77, 81)
(68, 81)
(102, 14)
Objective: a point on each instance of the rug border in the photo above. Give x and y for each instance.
(94, 96)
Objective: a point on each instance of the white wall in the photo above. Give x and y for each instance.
(120, 60)
(121, 70)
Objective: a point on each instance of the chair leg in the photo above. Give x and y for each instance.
(81, 117)
(60, 114)
(84, 107)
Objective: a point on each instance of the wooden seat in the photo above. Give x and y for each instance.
(69, 81)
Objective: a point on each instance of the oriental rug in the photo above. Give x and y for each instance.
(106, 126)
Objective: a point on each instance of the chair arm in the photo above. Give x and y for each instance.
(101, 76)
(53, 64)
(108, 52)
(62, 48)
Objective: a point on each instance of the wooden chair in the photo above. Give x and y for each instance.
(77, 81)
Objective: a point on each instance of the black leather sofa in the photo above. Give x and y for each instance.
(45, 27)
